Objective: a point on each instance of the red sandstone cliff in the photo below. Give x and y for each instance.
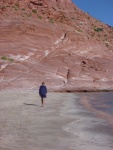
(53, 41)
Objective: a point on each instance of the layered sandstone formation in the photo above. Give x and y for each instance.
(53, 41)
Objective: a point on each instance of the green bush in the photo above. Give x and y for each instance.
(107, 45)
(8, 5)
(7, 59)
(4, 58)
(34, 11)
(10, 59)
(98, 29)
(23, 9)
(74, 8)
(51, 20)
(54, 8)
(29, 15)
(40, 17)
(17, 5)
(3, 7)
(79, 30)
(72, 18)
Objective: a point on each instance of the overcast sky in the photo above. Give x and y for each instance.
(100, 9)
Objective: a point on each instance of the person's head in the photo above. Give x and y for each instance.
(43, 83)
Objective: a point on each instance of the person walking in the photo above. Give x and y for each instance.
(42, 92)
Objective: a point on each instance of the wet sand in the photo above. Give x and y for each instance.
(97, 103)
(62, 124)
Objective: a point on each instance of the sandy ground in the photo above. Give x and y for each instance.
(62, 124)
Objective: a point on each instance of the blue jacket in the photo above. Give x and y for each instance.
(42, 91)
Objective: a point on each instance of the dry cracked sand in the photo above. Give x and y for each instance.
(62, 124)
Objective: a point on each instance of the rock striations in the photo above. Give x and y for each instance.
(56, 42)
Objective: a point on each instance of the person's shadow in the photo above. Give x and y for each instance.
(30, 104)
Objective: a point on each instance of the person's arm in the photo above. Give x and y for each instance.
(46, 89)
(39, 90)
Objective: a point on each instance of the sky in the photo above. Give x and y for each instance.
(99, 9)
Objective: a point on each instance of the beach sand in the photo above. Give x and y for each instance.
(62, 124)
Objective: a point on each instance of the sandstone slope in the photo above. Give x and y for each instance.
(53, 41)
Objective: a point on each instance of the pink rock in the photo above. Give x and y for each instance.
(57, 45)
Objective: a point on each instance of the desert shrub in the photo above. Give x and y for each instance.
(40, 17)
(7, 59)
(92, 35)
(4, 58)
(8, 5)
(51, 20)
(79, 30)
(17, 5)
(10, 59)
(23, 9)
(107, 45)
(74, 8)
(72, 18)
(15, 8)
(54, 8)
(34, 11)
(2, 7)
(29, 15)
(98, 29)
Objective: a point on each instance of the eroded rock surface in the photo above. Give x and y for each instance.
(53, 41)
